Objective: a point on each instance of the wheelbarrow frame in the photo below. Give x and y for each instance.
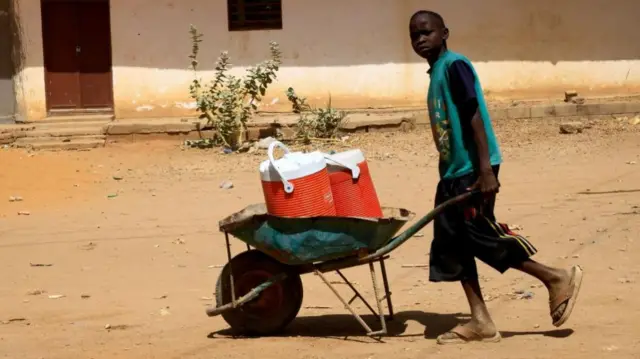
(337, 265)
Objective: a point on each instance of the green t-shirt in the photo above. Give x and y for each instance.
(458, 153)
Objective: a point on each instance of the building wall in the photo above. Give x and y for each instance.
(7, 97)
(358, 51)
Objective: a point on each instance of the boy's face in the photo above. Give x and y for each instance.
(427, 36)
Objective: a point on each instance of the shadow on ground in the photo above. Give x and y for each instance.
(345, 326)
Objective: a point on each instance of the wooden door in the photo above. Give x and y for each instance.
(77, 55)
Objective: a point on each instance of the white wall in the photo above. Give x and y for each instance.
(358, 50)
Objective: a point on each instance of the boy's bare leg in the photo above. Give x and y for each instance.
(481, 326)
(563, 287)
(554, 279)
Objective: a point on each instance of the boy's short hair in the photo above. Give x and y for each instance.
(430, 13)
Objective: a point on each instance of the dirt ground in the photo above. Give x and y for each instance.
(129, 234)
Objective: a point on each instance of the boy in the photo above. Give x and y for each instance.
(470, 160)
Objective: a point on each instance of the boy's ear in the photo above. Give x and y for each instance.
(445, 34)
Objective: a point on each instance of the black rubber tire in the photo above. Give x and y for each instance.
(276, 306)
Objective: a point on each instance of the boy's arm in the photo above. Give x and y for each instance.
(462, 83)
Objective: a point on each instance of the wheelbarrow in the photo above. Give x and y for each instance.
(259, 291)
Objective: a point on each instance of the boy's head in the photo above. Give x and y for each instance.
(428, 34)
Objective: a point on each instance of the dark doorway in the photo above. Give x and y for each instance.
(77, 55)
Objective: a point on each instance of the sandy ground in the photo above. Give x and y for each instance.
(141, 254)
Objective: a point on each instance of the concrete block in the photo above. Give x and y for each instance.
(498, 113)
(255, 133)
(126, 128)
(521, 112)
(606, 108)
(49, 143)
(543, 111)
(565, 110)
(67, 132)
(632, 107)
(285, 133)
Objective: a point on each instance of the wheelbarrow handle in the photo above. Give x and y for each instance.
(416, 227)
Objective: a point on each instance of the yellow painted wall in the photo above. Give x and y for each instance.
(357, 50)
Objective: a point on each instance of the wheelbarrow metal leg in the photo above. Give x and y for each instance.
(387, 292)
(356, 293)
(233, 290)
(379, 300)
(344, 302)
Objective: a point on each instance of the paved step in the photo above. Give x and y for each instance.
(74, 119)
(71, 124)
(61, 143)
(55, 131)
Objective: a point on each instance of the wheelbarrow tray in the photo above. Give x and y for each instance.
(298, 241)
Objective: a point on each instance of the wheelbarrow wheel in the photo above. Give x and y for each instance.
(274, 308)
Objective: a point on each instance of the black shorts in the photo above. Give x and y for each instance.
(468, 231)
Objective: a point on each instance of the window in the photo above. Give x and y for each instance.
(246, 15)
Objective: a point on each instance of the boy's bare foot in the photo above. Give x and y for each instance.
(474, 331)
(563, 295)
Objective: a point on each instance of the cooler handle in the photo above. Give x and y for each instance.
(355, 170)
(288, 186)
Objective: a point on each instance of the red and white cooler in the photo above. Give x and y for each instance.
(296, 185)
(353, 191)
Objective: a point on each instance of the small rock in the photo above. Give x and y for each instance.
(56, 296)
(36, 292)
(576, 256)
(624, 280)
(265, 142)
(41, 264)
(15, 199)
(527, 295)
(536, 326)
(165, 311)
(116, 327)
(631, 162)
(118, 178)
(635, 121)
(226, 185)
(570, 94)
(569, 128)
(112, 195)
(164, 296)
(85, 296)
(227, 151)
(179, 241)
(523, 294)
(24, 213)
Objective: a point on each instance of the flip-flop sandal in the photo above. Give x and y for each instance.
(463, 335)
(562, 305)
